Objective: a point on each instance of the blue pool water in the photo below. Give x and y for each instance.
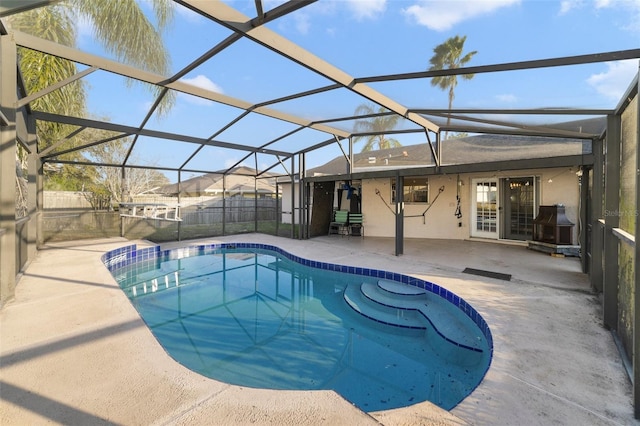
(256, 316)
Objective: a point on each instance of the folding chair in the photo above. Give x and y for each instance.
(339, 223)
(356, 227)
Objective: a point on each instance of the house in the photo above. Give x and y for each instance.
(487, 186)
(237, 182)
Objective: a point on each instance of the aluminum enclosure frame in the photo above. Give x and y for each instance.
(18, 126)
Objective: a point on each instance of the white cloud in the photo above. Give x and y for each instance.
(270, 4)
(85, 31)
(303, 18)
(507, 98)
(633, 8)
(604, 3)
(613, 82)
(630, 7)
(303, 23)
(443, 15)
(202, 82)
(230, 162)
(188, 14)
(367, 9)
(567, 6)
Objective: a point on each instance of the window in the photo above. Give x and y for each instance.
(416, 190)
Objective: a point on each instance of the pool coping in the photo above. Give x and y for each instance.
(129, 255)
(79, 353)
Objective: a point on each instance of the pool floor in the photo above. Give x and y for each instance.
(251, 317)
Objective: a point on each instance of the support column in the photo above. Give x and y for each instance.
(255, 193)
(399, 214)
(597, 240)
(611, 221)
(8, 101)
(278, 209)
(636, 292)
(224, 204)
(585, 218)
(351, 159)
(301, 197)
(39, 176)
(293, 197)
(179, 203)
(123, 199)
(34, 188)
(307, 209)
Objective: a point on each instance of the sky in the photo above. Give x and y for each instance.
(368, 38)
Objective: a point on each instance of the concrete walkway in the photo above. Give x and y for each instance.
(74, 351)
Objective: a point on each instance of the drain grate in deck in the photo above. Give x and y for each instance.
(488, 274)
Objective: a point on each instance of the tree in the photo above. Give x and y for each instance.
(122, 28)
(109, 181)
(449, 55)
(376, 125)
(458, 135)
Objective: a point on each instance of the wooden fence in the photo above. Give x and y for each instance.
(66, 200)
(233, 210)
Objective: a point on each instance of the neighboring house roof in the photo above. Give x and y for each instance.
(472, 149)
(239, 180)
(593, 126)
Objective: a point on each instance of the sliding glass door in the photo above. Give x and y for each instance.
(519, 205)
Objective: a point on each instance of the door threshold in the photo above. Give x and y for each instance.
(499, 241)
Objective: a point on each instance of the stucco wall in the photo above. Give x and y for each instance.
(440, 221)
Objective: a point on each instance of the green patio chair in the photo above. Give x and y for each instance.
(339, 223)
(356, 225)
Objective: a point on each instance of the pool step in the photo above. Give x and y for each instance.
(405, 306)
(396, 288)
(399, 317)
(394, 296)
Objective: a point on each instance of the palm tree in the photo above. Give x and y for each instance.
(376, 125)
(121, 27)
(449, 55)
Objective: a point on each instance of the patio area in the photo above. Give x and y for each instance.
(74, 350)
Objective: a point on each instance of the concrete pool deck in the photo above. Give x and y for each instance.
(73, 350)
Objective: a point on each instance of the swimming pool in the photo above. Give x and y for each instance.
(254, 315)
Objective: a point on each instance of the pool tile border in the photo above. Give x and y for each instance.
(128, 255)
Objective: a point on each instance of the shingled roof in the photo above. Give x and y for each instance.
(471, 149)
(239, 179)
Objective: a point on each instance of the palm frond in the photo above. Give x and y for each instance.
(377, 124)
(448, 55)
(125, 31)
